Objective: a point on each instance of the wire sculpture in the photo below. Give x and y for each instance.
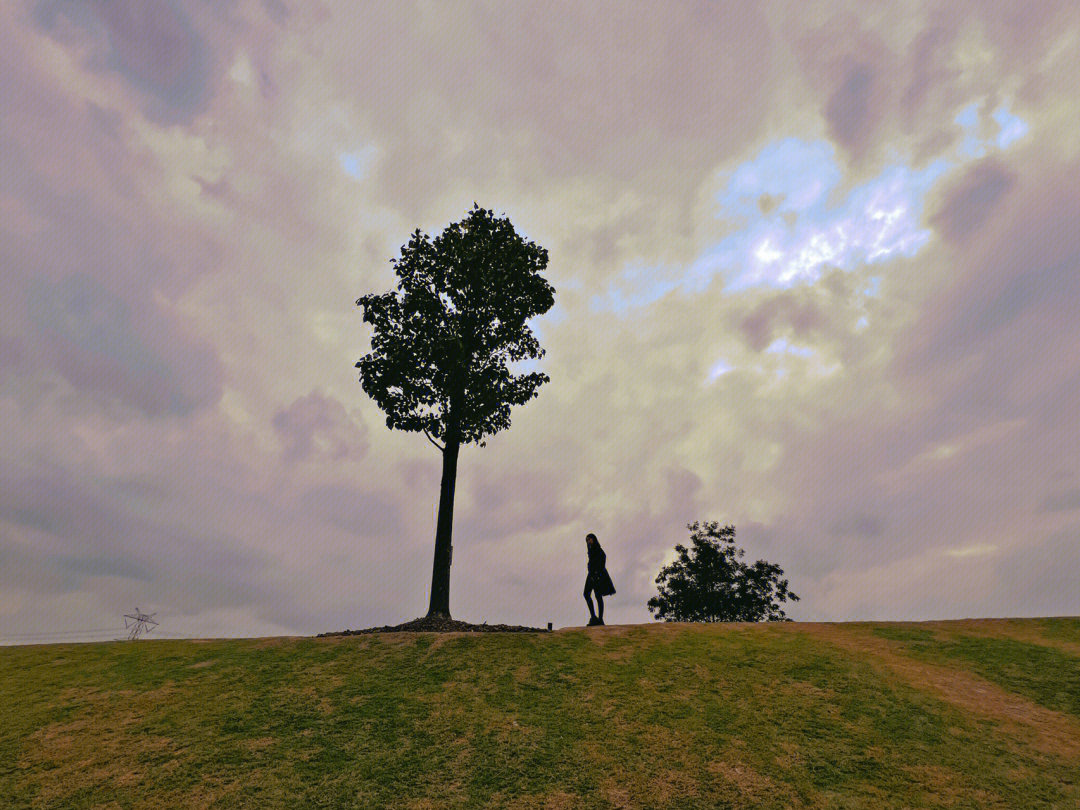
(138, 623)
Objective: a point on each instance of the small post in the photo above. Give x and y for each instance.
(549, 627)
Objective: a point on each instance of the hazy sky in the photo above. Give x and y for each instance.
(817, 275)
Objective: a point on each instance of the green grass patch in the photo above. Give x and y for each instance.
(1040, 673)
(661, 717)
(1065, 629)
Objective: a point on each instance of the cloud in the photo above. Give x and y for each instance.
(816, 277)
(970, 201)
(848, 110)
(154, 45)
(354, 510)
(90, 336)
(315, 425)
(64, 535)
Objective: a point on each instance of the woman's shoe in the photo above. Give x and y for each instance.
(593, 622)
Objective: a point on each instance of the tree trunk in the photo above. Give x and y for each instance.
(440, 574)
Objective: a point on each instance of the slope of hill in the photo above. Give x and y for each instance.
(975, 713)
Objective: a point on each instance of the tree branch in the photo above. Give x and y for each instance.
(441, 448)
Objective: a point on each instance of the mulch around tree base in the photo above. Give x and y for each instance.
(437, 625)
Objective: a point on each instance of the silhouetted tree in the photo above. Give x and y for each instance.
(709, 583)
(443, 342)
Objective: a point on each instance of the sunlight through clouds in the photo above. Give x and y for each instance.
(790, 219)
(1010, 127)
(356, 164)
(793, 225)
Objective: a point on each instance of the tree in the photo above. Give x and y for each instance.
(443, 342)
(709, 583)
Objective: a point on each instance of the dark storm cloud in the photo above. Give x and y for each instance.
(1063, 501)
(1010, 298)
(506, 502)
(355, 510)
(153, 44)
(88, 271)
(929, 56)
(849, 110)
(92, 338)
(317, 425)
(853, 66)
(969, 202)
(49, 501)
(62, 533)
(817, 312)
(1050, 565)
(94, 567)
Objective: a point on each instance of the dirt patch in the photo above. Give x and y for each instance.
(618, 796)
(602, 635)
(946, 787)
(202, 664)
(740, 782)
(556, 800)
(272, 641)
(809, 689)
(510, 728)
(258, 744)
(792, 756)
(210, 793)
(746, 779)
(85, 752)
(523, 673)
(671, 784)
(1049, 731)
(439, 641)
(315, 697)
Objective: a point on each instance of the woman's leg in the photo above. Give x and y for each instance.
(599, 605)
(588, 599)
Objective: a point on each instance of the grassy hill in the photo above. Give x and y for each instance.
(975, 714)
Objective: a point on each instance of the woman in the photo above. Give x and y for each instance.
(597, 579)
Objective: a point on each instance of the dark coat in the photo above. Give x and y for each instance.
(598, 574)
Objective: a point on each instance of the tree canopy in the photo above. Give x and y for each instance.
(710, 583)
(444, 340)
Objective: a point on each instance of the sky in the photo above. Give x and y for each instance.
(817, 274)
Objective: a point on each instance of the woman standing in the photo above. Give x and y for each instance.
(597, 581)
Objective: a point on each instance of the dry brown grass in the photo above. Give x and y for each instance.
(1047, 730)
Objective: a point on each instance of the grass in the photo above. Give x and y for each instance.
(648, 716)
(1039, 672)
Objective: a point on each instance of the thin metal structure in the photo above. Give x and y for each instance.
(138, 623)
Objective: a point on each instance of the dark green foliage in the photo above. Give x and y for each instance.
(710, 583)
(443, 342)
(443, 339)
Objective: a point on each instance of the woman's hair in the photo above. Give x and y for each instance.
(593, 536)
